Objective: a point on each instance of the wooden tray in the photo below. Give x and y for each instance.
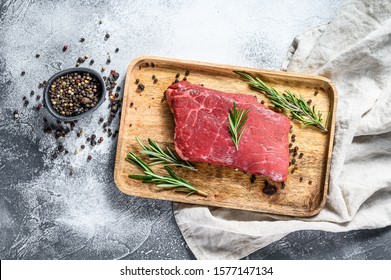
(144, 115)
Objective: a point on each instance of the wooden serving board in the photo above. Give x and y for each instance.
(145, 115)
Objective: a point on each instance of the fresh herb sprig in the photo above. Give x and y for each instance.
(237, 120)
(165, 182)
(158, 156)
(296, 106)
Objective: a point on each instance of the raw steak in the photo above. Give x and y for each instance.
(202, 135)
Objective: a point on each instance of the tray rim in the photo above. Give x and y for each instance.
(333, 95)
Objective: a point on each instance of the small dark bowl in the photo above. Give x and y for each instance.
(48, 103)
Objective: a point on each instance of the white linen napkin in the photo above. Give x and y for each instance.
(354, 51)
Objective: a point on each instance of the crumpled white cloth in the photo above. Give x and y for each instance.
(354, 51)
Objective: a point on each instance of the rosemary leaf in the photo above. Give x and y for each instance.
(237, 119)
(290, 103)
(165, 182)
(158, 156)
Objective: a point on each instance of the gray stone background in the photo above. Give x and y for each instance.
(47, 214)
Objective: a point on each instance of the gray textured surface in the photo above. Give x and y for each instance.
(47, 214)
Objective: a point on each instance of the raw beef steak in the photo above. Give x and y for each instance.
(202, 135)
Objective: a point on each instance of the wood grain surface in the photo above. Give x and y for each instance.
(146, 115)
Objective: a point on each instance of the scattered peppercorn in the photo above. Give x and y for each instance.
(16, 114)
(108, 61)
(301, 179)
(82, 147)
(316, 92)
(92, 61)
(38, 97)
(187, 73)
(309, 101)
(82, 39)
(101, 120)
(177, 75)
(310, 182)
(88, 139)
(137, 81)
(89, 157)
(37, 55)
(155, 81)
(253, 178)
(184, 78)
(100, 21)
(262, 102)
(64, 48)
(269, 190)
(301, 155)
(117, 50)
(107, 36)
(100, 140)
(71, 172)
(140, 87)
(176, 80)
(23, 73)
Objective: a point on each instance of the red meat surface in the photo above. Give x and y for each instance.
(202, 135)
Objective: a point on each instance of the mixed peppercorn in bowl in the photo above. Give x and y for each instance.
(73, 93)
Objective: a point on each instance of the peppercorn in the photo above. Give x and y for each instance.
(184, 78)
(117, 50)
(32, 93)
(100, 21)
(140, 87)
(309, 101)
(71, 172)
(177, 75)
(82, 40)
(89, 157)
(301, 155)
(153, 77)
(310, 182)
(137, 81)
(107, 36)
(38, 97)
(301, 179)
(88, 139)
(92, 61)
(22, 73)
(64, 48)
(253, 178)
(187, 73)
(262, 102)
(269, 190)
(37, 55)
(176, 80)
(103, 69)
(155, 81)
(108, 61)
(93, 136)
(100, 140)
(153, 65)
(101, 120)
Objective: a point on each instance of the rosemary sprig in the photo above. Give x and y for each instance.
(237, 119)
(164, 182)
(296, 106)
(158, 156)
